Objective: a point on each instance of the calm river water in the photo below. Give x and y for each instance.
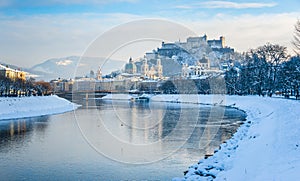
(114, 140)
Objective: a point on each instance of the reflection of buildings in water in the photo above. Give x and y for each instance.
(17, 131)
(133, 125)
(145, 123)
(12, 131)
(160, 118)
(13, 128)
(139, 132)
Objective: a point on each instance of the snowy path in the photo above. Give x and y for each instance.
(266, 147)
(15, 107)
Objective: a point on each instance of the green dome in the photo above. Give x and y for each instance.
(129, 66)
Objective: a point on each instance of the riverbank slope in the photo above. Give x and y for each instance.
(266, 147)
(21, 107)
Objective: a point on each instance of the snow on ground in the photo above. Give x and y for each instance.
(20, 107)
(266, 147)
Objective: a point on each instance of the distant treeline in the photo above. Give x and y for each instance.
(19, 87)
(265, 71)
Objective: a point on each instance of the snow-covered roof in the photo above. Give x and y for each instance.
(2, 67)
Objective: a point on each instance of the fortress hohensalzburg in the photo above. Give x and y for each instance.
(195, 58)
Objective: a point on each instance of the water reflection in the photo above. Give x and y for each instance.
(52, 148)
(17, 130)
(142, 133)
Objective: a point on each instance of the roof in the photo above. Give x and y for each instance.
(203, 60)
(2, 67)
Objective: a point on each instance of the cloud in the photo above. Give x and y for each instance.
(29, 39)
(184, 7)
(226, 4)
(246, 31)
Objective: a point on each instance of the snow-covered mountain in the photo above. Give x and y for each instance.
(74, 66)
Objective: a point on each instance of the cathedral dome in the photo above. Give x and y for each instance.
(130, 67)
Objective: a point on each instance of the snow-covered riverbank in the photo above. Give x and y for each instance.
(266, 147)
(15, 107)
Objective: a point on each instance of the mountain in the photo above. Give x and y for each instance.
(74, 66)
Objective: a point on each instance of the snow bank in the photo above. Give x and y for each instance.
(117, 97)
(266, 147)
(20, 107)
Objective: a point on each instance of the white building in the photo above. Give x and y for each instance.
(201, 69)
(155, 72)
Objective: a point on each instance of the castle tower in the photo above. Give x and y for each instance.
(159, 68)
(204, 38)
(222, 39)
(145, 68)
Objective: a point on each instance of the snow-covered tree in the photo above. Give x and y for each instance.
(231, 78)
(290, 76)
(296, 41)
(254, 75)
(272, 56)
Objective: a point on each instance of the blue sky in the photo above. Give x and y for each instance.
(140, 7)
(32, 31)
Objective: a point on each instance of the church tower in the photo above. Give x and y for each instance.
(159, 68)
(145, 68)
(99, 74)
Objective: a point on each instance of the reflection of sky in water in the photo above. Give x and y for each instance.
(53, 148)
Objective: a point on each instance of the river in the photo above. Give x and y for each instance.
(114, 140)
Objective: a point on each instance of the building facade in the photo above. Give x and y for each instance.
(202, 68)
(155, 72)
(12, 74)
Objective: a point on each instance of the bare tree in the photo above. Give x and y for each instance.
(296, 41)
(259, 75)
